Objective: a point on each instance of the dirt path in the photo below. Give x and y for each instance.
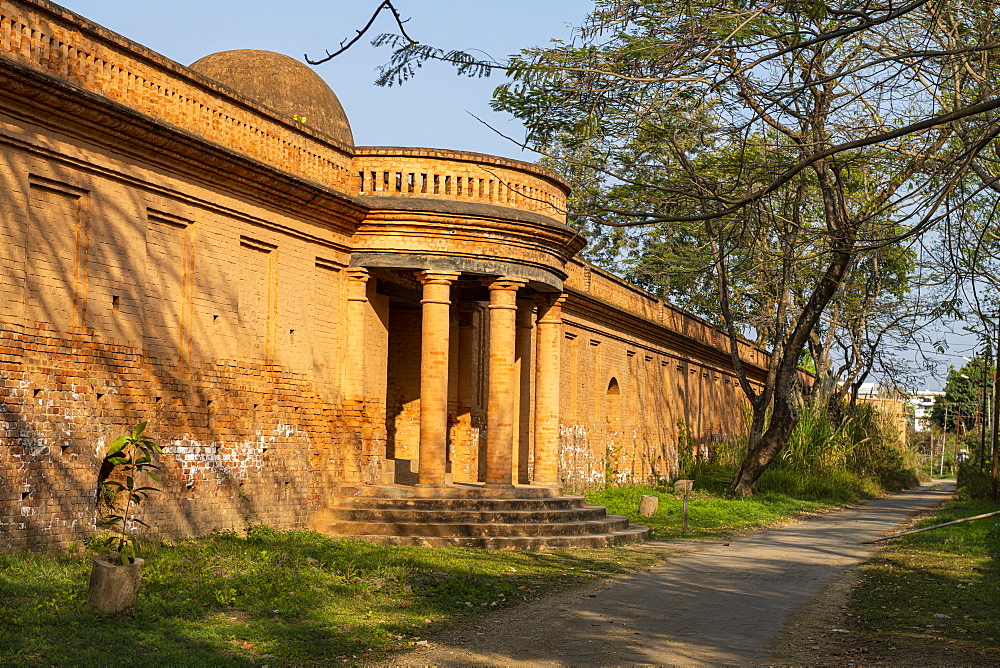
(721, 603)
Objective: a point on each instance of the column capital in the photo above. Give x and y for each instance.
(431, 276)
(550, 298)
(504, 283)
(357, 274)
(437, 286)
(357, 284)
(550, 307)
(503, 292)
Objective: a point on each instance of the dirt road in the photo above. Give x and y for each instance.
(715, 604)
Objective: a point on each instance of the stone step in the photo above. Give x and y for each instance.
(467, 515)
(608, 524)
(633, 534)
(452, 491)
(452, 505)
(462, 515)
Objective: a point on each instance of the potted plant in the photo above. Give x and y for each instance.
(114, 579)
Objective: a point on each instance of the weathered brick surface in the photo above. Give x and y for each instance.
(630, 383)
(171, 252)
(239, 439)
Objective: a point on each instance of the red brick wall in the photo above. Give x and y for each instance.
(632, 436)
(130, 295)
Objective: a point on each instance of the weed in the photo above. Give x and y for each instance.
(859, 457)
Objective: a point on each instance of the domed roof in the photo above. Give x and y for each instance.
(281, 84)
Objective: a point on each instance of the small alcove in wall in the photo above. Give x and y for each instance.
(613, 407)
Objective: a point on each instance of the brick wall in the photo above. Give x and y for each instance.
(172, 253)
(627, 389)
(134, 295)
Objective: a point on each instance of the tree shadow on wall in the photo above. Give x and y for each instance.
(118, 317)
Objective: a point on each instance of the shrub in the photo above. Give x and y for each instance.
(128, 457)
(860, 456)
(972, 482)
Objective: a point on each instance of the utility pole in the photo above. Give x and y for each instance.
(944, 439)
(996, 419)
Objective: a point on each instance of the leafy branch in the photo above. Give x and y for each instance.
(129, 456)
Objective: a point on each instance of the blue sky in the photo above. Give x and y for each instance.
(432, 110)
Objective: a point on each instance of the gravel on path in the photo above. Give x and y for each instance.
(715, 604)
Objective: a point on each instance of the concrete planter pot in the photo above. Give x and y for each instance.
(113, 585)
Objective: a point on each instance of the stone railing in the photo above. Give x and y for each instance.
(456, 175)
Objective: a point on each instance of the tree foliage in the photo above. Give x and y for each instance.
(960, 408)
(784, 156)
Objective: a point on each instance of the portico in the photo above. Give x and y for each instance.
(478, 402)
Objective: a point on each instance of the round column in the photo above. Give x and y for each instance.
(500, 406)
(548, 337)
(354, 362)
(524, 371)
(434, 348)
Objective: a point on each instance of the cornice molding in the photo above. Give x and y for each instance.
(97, 120)
(589, 308)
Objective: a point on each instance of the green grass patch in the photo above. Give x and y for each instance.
(709, 516)
(274, 597)
(931, 597)
(300, 598)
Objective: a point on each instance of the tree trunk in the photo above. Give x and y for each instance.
(113, 586)
(784, 417)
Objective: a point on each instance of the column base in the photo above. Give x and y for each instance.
(499, 485)
(444, 483)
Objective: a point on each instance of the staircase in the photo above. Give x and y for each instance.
(464, 515)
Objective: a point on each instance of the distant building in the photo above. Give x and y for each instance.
(923, 403)
(890, 402)
(873, 390)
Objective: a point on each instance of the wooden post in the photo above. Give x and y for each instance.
(684, 487)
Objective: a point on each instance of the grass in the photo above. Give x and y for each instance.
(274, 597)
(300, 598)
(931, 597)
(709, 516)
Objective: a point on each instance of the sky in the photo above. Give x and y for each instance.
(432, 110)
